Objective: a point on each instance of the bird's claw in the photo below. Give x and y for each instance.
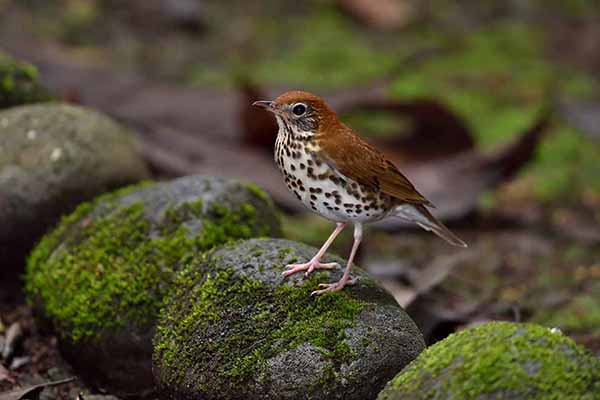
(333, 287)
(309, 267)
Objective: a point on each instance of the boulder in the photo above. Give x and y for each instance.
(500, 360)
(100, 277)
(52, 157)
(234, 329)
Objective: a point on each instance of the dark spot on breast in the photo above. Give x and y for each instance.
(313, 197)
(302, 166)
(338, 201)
(293, 167)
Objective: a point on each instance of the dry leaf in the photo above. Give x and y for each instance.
(31, 392)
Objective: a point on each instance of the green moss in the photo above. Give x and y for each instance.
(95, 273)
(260, 322)
(498, 78)
(257, 191)
(503, 359)
(495, 59)
(19, 83)
(580, 315)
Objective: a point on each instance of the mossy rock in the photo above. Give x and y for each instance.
(100, 277)
(500, 360)
(19, 83)
(235, 329)
(53, 157)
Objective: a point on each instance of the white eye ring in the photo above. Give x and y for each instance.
(299, 109)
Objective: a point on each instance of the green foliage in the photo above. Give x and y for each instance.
(19, 83)
(496, 360)
(95, 273)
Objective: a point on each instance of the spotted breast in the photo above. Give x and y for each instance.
(320, 187)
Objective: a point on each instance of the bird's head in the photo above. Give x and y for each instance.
(302, 113)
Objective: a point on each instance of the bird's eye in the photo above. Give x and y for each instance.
(299, 109)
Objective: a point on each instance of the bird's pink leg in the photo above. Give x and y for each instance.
(315, 262)
(345, 280)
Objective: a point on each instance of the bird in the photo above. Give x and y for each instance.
(340, 176)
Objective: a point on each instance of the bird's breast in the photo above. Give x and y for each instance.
(321, 188)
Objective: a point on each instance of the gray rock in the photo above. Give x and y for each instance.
(234, 329)
(52, 157)
(500, 360)
(100, 277)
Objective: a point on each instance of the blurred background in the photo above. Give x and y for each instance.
(491, 108)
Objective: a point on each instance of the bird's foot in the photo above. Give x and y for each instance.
(334, 287)
(308, 267)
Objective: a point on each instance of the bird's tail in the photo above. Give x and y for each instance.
(421, 216)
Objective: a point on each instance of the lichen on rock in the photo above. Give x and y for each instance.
(500, 360)
(235, 329)
(100, 277)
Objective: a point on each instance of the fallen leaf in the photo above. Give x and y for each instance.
(5, 375)
(437, 132)
(13, 337)
(259, 126)
(18, 362)
(31, 392)
(381, 14)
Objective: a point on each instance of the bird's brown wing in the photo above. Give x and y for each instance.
(356, 159)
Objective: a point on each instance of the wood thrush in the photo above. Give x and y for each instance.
(341, 177)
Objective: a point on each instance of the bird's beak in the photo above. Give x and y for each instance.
(267, 105)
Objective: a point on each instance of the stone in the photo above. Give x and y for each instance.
(500, 360)
(52, 157)
(235, 329)
(100, 277)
